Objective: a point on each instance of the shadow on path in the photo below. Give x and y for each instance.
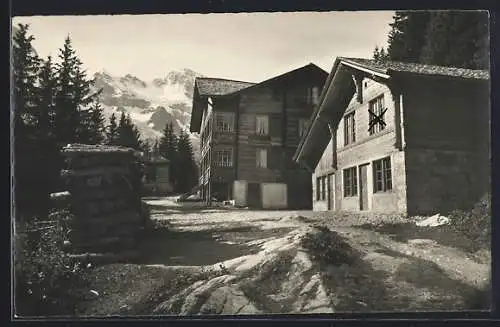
(176, 248)
(443, 235)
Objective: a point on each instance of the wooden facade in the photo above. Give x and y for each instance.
(427, 151)
(157, 176)
(248, 139)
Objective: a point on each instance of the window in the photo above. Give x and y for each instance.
(313, 95)
(303, 126)
(262, 125)
(225, 122)
(382, 176)
(349, 129)
(261, 158)
(318, 188)
(323, 188)
(350, 182)
(376, 122)
(224, 157)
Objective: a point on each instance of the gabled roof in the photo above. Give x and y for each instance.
(339, 89)
(389, 67)
(310, 69)
(212, 87)
(207, 86)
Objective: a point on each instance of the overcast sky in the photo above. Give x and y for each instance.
(245, 46)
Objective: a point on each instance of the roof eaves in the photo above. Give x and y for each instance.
(314, 116)
(384, 73)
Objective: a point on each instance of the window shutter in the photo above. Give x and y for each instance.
(275, 125)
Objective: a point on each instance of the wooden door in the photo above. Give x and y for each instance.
(363, 187)
(254, 195)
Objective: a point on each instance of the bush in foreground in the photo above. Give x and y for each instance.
(328, 247)
(46, 279)
(475, 224)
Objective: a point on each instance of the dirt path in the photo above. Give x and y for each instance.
(224, 261)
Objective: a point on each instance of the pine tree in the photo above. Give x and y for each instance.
(67, 118)
(128, 135)
(87, 105)
(93, 131)
(187, 172)
(380, 54)
(167, 148)
(407, 37)
(458, 39)
(25, 69)
(376, 53)
(112, 131)
(383, 55)
(47, 151)
(435, 50)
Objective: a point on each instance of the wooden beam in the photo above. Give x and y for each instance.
(398, 112)
(358, 82)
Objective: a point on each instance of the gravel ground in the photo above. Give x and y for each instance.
(396, 270)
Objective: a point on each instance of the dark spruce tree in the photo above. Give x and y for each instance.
(67, 117)
(128, 135)
(47, 152)
(187, 170)
(407, 35)
(73, 98)
(380, 54)
(167, 147)
(93, 131)
(112, 131)
(458, 39)
(25, 71)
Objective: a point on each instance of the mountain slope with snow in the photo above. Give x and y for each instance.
(151, 104)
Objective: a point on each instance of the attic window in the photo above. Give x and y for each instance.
(366, 85)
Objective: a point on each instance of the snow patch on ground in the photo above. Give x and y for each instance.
(433, 221)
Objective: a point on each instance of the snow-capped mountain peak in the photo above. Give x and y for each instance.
(152, 104)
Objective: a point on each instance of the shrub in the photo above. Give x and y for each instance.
(476, 224)
(328, 247)
(46, 279)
